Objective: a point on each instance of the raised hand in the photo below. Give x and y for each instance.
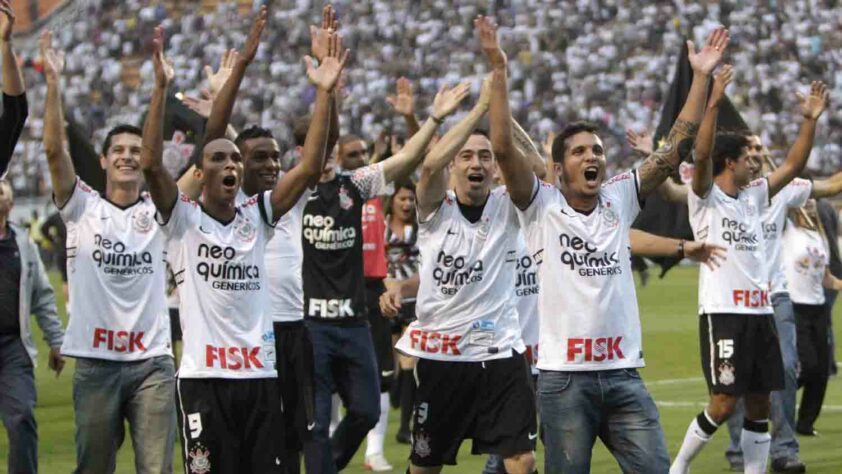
(489, 43)
(226, 65)
(720, 82)
(253, 40)
(53, 61)
(403, 102)
(709, 254)
(7, 21)
(327, 74)
(548, 145)
(164, 71)
(201, 106)
(640, 142)
(319, 36)
(813, 105)
(484, 100)
(705, 60)
(447, 99)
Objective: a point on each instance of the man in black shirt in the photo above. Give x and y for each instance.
(24, 290)
(14, 96)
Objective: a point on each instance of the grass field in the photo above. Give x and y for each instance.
(673, 376)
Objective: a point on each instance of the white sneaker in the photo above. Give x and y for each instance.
(377, 463)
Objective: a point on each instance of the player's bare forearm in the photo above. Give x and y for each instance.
(827, 187)
(12, 76)
(293, 184)
(162, 187)
(409, 287)
(796, 158)
(412, 125)
(62, 172)
(703, 169)
(527, 148)
(644, 244)
(223, 105)
(404, 162)
(671, 191)
(516, 170)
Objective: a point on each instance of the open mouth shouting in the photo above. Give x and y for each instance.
(592, 175)
(229, 182)
(477, 178)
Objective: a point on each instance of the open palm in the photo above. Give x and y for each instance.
(52, 60)
(813, 105)
(403, 102)
(447, 100)
(327, 74)
(217, 80)
(706, 59)
(7, 21)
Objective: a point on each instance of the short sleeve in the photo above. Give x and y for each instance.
(258, 208)
(758, 192)
(185, 214)
(798, 192)
(370, 181)
(622, 191)
(79, 201)
(441, 214)
(541, 196)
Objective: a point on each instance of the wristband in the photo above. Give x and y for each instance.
(436, 119)
(681, 249)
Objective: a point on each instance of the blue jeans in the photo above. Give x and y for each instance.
(782, 413)
(17, 404)
(614, 405)
(344, 361)
(108, 393)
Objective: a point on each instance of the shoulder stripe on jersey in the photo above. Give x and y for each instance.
(264, 213)
(768, 193)
(72, 192)
(641, 201)
(534, 193)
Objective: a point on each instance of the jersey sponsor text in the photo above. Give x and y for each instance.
(118, 341)
(594, 349)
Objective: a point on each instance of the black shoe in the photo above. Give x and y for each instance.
(736, 465)
(806, 431)
(788, 465)
(403, 437)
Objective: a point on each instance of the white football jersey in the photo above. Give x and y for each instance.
(805, 258)
(283, 264)
(464, 307)
(116, 277)
(526, 297)
(587, 305)
(740, 284)
(221, 276)
(794, 194)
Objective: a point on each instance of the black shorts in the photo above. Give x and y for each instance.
(491, 402)
(381, 334)
(294, 363)
(230, 425)
(740, 353)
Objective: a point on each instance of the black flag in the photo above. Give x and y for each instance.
(84, 156)
(659, 216)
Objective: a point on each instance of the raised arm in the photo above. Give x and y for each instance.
(812, 106)
(320, 37)
(12, 76)
(432, 186)
(223, 104)
(644, 244)
(62, 173)
(162, 186)
(516, 170)
(529, 150)
(703, 170)
(404, 162)
(293, 184)
(663, 162)
(827, 187)
(404, 105)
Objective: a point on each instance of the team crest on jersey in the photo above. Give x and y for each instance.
(199, 460)
(246, 231)
(345, 201)
(726, 373)
(609, 215)
(142, 222)
(421, 445)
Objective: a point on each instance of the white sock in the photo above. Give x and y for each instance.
(694, 440)
(755, 446)
(335, 412)
(377, 436)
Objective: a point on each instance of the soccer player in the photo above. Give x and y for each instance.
(119, 325)
(740, 348)
(217, 253)
(334, 291)
(14, 92)
(589, 332)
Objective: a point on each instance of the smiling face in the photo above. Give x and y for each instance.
(472, 170)
(261, 164)
(222, 166)
(755, 152)
(121, 161)
(744, 168)
(582, 170)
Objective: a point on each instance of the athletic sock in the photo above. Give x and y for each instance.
(699, 432)
(377, 436)
(335, 412)
(755, 441)
(407, 388)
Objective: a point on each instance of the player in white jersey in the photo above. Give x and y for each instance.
(119, 326)
(740, 349)
(217, 253)
(589, 328)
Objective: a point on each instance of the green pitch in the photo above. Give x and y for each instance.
(673, 375)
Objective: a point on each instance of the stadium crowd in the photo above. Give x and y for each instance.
(603, 61)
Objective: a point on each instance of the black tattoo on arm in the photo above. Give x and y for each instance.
(665, 160)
